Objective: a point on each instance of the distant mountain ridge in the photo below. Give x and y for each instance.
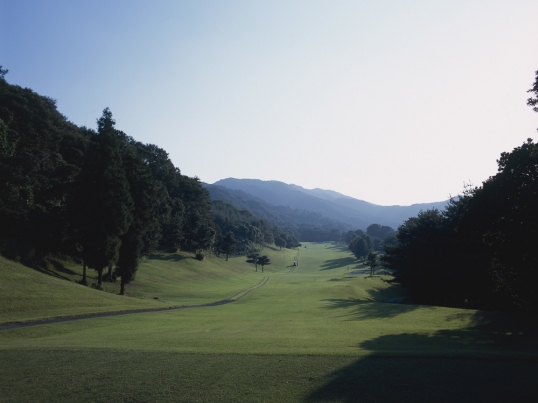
(283, 216)
(330, 204)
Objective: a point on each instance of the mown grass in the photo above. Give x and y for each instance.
(312, 333)
(164, 280)
(28, 294)
(111, 376)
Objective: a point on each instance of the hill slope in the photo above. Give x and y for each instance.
(284, 216)
(332, 205)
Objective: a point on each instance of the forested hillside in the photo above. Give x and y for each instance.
(100, 196)
(329, 206)
(307, 226)
(482, 250)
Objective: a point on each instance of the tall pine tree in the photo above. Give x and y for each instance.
(103, 203)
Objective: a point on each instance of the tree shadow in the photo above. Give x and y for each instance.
(338, 263)
(167, 257)
(56, 270)
(339, 247)
(494, 359)
(59, 267)
(376, 305)
(402, 380)
(360, 309)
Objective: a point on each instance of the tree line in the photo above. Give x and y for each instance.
(376, 237)
(241, 232)
(482, 250)
(101, 197)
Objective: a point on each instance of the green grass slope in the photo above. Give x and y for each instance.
(163, 280)
(322, 331)
(27, 294)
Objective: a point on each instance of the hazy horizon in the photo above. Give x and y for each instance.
(331, 190)
(390, 102)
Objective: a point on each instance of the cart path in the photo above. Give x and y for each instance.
(233, 298)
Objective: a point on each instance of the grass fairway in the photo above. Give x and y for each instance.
(316, 332)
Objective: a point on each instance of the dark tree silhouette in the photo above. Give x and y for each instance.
(361, 246)
(372, 262)
(228, 244)
(103, 203)
(281, 243)
(253, 258)
(533, 102)
(263, 261)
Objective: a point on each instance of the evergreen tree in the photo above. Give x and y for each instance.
(263, 261)
(372, 262)
(228, 244)
(361, 246)
(281, 243)
(253, 258)
(142, 235)
(103, 203)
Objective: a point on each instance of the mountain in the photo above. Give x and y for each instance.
(321, 193)
(284, 216)
(330, 204)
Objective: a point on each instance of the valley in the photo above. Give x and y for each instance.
(314, 332)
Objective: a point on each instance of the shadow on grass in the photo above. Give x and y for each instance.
(339, 263)
(357, 309)
(167, 257)
(377, 379)
(58, 269)
(494, 359)
(376, 306)
(342, 247)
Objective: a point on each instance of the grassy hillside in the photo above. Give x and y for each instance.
(322, 331)
(29, 294)
(163, 280)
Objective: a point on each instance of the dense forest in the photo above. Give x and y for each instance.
(482, 250)
(101, 197)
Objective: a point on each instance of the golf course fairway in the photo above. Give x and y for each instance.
(320, 331)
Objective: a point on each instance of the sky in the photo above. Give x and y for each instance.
(392, 102)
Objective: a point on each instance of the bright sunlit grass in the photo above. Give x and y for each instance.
(318, 309)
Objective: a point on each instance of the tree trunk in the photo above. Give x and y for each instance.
(226, 257)
(84, 272)
(109, 273)
(100, 276)
(122, 287)
(262, 268)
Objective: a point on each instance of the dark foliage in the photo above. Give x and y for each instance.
(361, 246)
(481, 252)
(379, 231)
(306, 226)
(533, 101)
(263, 261)
(253, 258)
(95, 195)
(228, 244)
(248, 230)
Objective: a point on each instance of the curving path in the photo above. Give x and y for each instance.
(233, 298)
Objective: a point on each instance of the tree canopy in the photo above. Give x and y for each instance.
(99, 196)
(481, 251)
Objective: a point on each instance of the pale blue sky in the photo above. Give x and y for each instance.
(393, 102)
